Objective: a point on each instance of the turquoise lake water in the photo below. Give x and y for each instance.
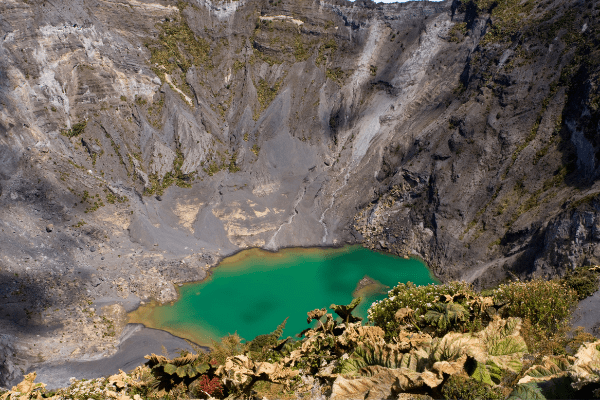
(255, 290)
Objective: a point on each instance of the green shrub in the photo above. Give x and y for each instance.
(326, 51)
(177, 47)
(546, 304)
(266, 93)
(262, 343)
(336, 75)
(465, 388)
(300, 52)
(461, 28)
(582, 280)
(546, 308)
(421, 299)
(231, 345)
(233, 167)
(175, 176)
(580, 336)
(140, 101)
(76, 130)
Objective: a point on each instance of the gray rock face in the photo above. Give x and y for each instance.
(9, 371)
(157, 132)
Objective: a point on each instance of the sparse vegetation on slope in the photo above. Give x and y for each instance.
(76, 130)
(158, 185)
(266, 94)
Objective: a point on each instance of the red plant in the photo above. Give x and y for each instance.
(210, 386)
(213, 362)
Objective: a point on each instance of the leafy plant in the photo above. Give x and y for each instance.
(586, 368)
(443, 315)
(386, 355)
(527, 391)
(357, 361)
(345, 312)
(169, 373)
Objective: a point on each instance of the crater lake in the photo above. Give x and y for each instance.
(252, 292)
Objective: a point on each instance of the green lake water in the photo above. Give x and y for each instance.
(255, 290)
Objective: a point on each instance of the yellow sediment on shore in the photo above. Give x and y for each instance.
(151, 313)
(239, 259)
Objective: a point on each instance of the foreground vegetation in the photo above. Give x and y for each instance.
(436, 341)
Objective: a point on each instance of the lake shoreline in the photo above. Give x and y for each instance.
(221, 258)
(53, 373)
(203, 331)
(136, 341)
(209, 273)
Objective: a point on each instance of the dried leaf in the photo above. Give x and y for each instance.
(404, 313)
(586, 368)
(119, 380)
(315, 314)
(27, 386)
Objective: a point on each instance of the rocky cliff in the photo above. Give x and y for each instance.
(142, 140)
